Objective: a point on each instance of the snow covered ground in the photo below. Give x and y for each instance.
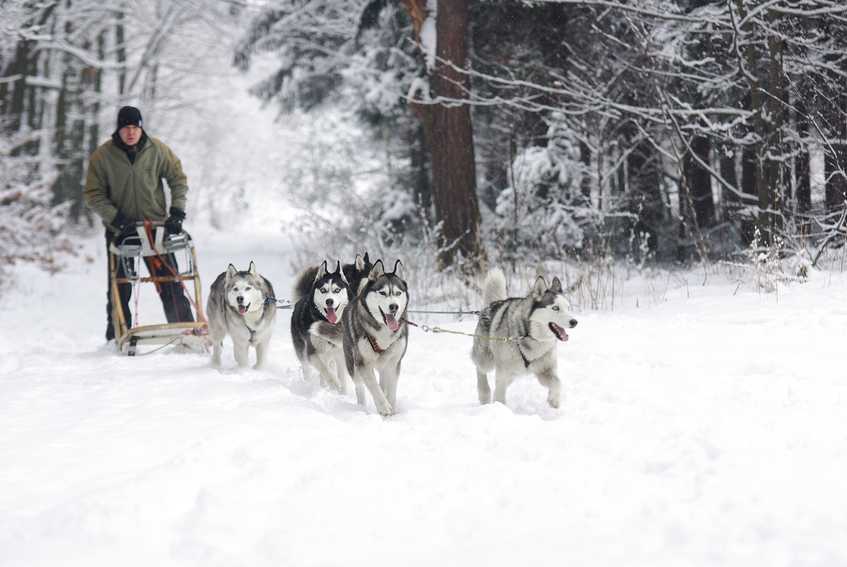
(706, 430)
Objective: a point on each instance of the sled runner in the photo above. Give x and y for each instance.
(170, 260)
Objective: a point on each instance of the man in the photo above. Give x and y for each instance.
(124, 186)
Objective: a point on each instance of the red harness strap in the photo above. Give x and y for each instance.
(374, 345)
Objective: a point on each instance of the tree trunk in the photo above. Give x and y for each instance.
(749, 167)
(835, 160)
(727, 162)
(644, 176)
(585, 181)
(700, 182)
(120, 53)
(18, 69)
(836, 183)
(449, 134)
(419, 165)
(772, 182)
(802, 171)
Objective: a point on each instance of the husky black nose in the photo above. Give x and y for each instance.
(573, 323)
(393, 308)
(329, 302)
(240, 299)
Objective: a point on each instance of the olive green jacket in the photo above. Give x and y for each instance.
(114, 184)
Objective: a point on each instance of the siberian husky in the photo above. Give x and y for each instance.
(538, 321)
(357, 271)
(242, 305)
(321, 297)
(375, 335)
(354, 274)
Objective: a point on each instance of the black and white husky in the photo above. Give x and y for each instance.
(375, 335)
(321, 297)
(357, 271)
(241, 304)
(539, 321)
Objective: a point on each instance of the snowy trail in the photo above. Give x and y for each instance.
(703, 431)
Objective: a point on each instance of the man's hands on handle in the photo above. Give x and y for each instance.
(125, 227)
(173, 224)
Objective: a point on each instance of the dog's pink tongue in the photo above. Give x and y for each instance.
(392, 323)
(559, 332)
(242, 309)
(330, 315)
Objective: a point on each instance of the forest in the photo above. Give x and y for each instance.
(667, 131)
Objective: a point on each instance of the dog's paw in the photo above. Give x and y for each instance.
(385, 410)
(553, 401)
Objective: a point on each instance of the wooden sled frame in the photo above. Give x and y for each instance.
(190, 334)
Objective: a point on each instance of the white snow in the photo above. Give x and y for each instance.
(705, 430)
(429, 34)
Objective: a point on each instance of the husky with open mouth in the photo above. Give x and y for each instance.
(374, 336)
(321, 297)
(538, 321)
(241, 304)
(354, 274)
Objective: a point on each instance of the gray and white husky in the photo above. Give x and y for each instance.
(375, 335)
(539, 319)
(321, 297)
(242, 305)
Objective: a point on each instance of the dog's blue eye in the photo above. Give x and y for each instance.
(555, 308)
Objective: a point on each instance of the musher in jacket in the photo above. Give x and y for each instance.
(124, 186)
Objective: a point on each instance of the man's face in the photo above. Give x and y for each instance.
(130, 135)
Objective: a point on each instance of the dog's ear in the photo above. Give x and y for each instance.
(252, 269)
(359, 262)
(366, 259)
(231, 272)
(322, 271)
(398, 269)
(556, 286)
(340, 272)
(376, 271)
(539, 288)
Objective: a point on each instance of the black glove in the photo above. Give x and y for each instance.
(173, 224)
(121, 223)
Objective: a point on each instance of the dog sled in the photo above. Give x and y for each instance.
(176, 259)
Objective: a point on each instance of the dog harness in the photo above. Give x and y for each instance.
(526, 361)
(374, 345)
(252, 332)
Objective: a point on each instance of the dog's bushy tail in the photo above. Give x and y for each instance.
(494, 288)
(303, 283)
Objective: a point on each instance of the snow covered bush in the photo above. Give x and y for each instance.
(29, 223)
(543, 209)
(769, 265)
